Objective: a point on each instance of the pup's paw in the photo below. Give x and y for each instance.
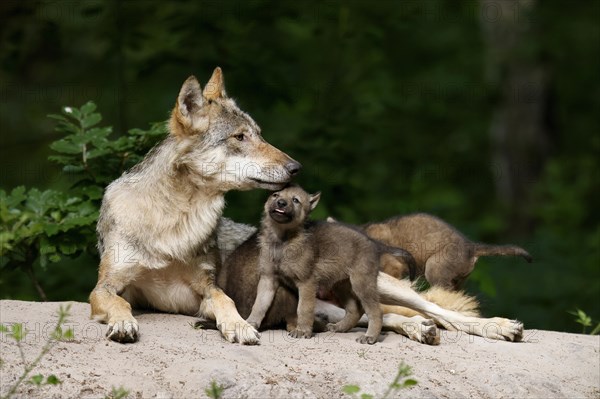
(123, 329)
(334, 327)
(238, 330)
(301, 333)
(503, 329)
(366, 339)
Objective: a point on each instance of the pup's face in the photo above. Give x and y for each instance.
(291, 206)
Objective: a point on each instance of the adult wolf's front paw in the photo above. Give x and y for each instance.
(238, 330)
(123, 330)
(301, 333)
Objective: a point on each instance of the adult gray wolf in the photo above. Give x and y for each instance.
(158, 221)
(443, 255)
(309, 255)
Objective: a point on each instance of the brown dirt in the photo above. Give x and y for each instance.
(173, 360)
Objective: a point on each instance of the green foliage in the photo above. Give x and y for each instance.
(118, 393)
(18, 333)
(43, 227)
(215, 390)
(404, 371)
(586, 321)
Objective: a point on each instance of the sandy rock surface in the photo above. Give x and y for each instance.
(174, 360)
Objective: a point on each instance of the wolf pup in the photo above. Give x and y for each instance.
(157, 230)
(308, 254)
(444, 255)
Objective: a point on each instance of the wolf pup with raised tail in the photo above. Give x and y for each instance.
(443, 254)
(308, 255)
(159, 222)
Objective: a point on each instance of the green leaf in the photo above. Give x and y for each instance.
(88, 108)
(18, 332)
(351, 389)
(68, 335)
(4, 329)
(91, 120)
(72, 111)
(410, 383)
(73, 168)
(37, 379)
(366, 396)
(66, 147)
(57, 117)
(53, 380)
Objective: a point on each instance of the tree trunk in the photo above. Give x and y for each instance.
(518, 131)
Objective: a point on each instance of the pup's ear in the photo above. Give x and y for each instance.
(215, 88)
(190, 97)
(314, 200)
(331, 220)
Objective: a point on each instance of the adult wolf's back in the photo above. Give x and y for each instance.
(157, 222)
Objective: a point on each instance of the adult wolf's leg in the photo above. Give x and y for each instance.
(218, 306)
(109, 307)
(398, 292)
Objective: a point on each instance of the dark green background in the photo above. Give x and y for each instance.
(389, 105)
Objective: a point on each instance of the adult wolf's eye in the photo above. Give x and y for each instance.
(240, 137)
(296, 200)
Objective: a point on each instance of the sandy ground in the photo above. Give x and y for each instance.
(172, 359)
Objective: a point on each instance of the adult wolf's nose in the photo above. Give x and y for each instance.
(293, 167)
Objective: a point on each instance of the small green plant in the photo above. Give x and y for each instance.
(38, 228)
(117, 393)
(362, 353)
(18, 334)
(404, 371)
(586, 321)
(214, 391)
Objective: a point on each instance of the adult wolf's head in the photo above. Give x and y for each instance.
(221, 144)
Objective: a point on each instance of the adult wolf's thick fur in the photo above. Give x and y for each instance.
(157, 222)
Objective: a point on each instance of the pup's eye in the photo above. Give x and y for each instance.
(275, 195)
(240, 137)
(296, 200)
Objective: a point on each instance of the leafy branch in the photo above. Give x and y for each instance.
(37, 227)
(586, 321)
(404, 371)
(18, 333)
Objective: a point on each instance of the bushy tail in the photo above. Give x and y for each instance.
(501, 250)
(458, 301)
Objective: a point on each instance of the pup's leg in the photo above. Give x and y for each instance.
(448, 271)
(398, 292)
(353, 312)
(416, 328)
(307, 293)
(366, 290)
(108, 307)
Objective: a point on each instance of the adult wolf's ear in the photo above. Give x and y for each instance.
(190, 97)
(188, 118)
(314, 200)
(215, 88)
